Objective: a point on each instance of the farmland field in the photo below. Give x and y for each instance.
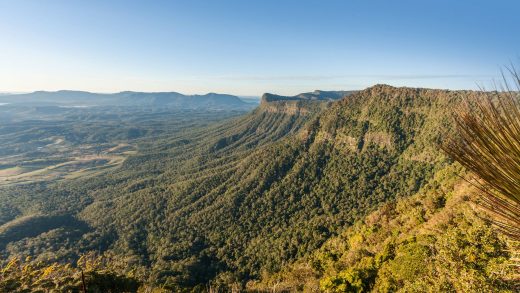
(56, 143)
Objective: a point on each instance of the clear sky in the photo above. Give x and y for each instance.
(249, 47)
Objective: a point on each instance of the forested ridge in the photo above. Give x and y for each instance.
(231, 204)
(432, 241)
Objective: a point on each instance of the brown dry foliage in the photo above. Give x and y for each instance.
(487, 143)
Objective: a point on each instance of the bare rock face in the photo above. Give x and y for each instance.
(301, 104)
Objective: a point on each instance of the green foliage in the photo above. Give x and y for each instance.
(487, 143)
(241, 199)
(450, 249)
(356, 279)
(32, 276)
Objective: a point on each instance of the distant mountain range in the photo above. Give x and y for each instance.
(141, 99)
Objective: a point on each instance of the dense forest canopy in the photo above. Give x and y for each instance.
(301, 193)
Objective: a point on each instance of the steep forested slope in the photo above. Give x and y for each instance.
(285, 198)
(242, 198)
(163, 161)
(432, 241)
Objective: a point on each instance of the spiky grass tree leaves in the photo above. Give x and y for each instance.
(487, 143)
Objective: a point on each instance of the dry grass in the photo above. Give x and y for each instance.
(487, 143)
(11, 171)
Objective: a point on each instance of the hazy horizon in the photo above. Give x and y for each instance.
(223, 93)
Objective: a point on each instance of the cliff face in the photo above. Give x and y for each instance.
(311, 96)
(301, 104)
(293, 107)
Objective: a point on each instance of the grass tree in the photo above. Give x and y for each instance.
(487, 143)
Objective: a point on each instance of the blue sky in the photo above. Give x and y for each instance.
(252, 47)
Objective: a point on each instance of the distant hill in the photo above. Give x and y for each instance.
(139, 99)
(251, 99)
(315, 95)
